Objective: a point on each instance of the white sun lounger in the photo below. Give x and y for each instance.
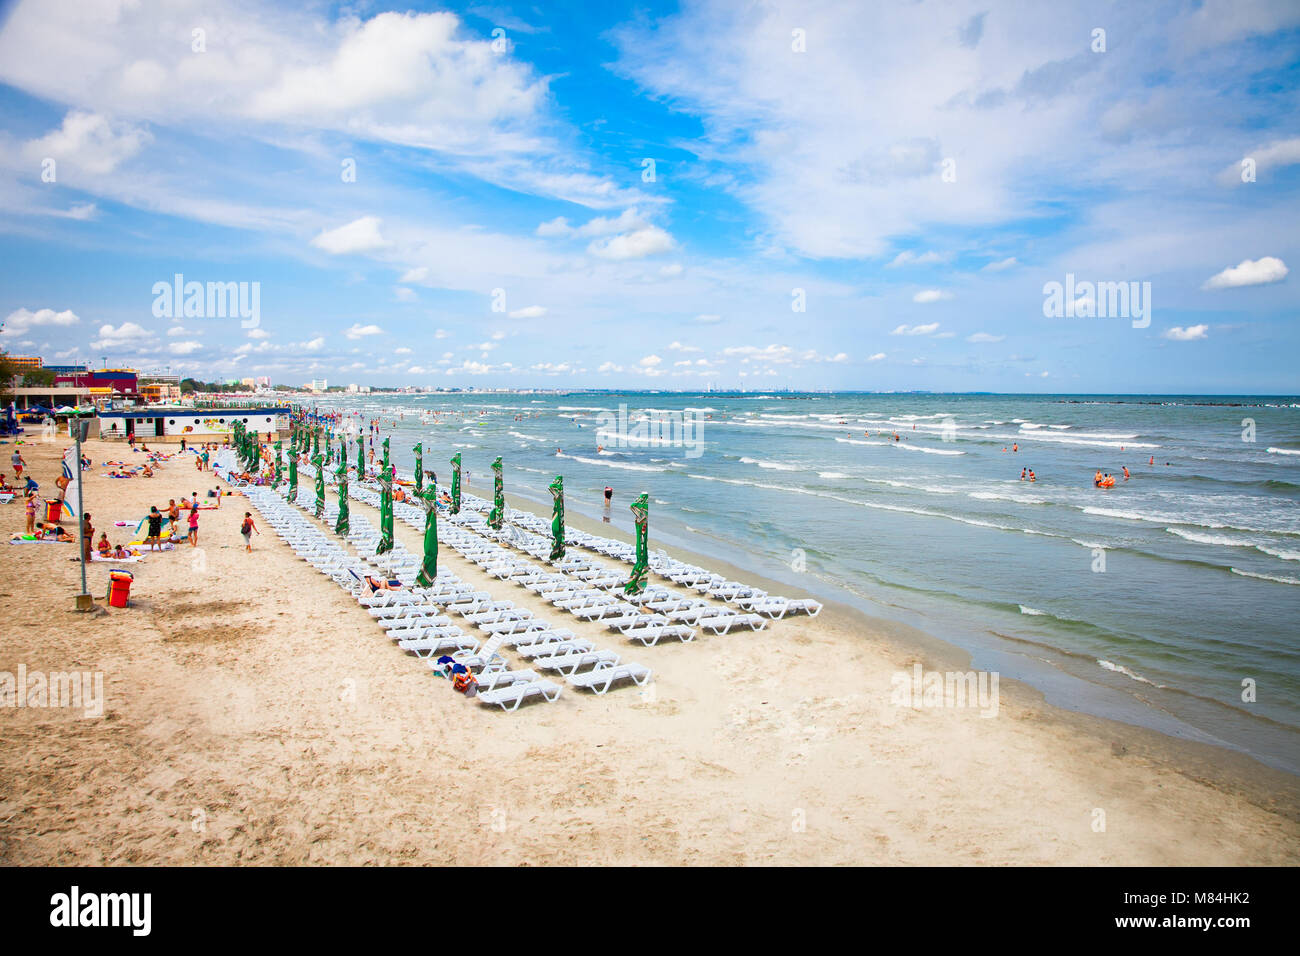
(725, 623)
(603, 677)
(653, 634)
(577, 645)
(509, 698)
(571, 663)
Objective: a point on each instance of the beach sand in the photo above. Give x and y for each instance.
(256, 715)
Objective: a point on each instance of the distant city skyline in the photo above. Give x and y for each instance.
(962, 197)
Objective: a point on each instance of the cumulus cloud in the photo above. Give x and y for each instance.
(360, 235)
(529, 312)
(928, 329)
(931, 295)
(879, 356)
(1001, 265)
(359, 331)
(126, 334)
(20, 320)
(980, 337)
(633, 245)
(909, 258)
(1249, 272)
(184, 348)
(87, 142)
(1189, 334)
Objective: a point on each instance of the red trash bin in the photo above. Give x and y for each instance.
(119, 588)
(53, 510)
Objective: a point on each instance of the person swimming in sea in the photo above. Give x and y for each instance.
(1022, 474)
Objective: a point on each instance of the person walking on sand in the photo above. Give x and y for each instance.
(18, 464)
(182, 444)
(154, 538)
(194, 525)
(247, 529)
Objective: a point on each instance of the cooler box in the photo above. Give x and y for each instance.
(119, 588)
(53, 510)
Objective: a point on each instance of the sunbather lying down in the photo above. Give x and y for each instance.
(379, 584)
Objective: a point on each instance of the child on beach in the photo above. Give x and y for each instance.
(194, 525)
(247, 529)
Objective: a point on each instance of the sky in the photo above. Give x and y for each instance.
(658, 195)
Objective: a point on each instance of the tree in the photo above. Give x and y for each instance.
(38, 378)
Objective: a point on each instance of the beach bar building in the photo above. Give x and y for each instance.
(169, 423)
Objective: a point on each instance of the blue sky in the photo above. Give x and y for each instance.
(913, 173)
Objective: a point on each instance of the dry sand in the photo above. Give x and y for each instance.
(256, 714)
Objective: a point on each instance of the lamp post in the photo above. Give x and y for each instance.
(84, 601)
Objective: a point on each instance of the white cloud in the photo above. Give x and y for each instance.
(180, 330)
(441, 334)
(258, 334)
(671, 270)
(929, 329)
(907, 257)
(628, 221)
(184, 348)
(1001, 265)
(1266, 159)
(126, 334)
(678, 347)
(879, 356)
(418, 274)
(708, 319)
(633, 245)
(403, 294)
(650, 361)
(360, 235)
(1249, 272)
(931, 295)
(980, 337)
(313, 345)
(20, 320)
(402, 351)
(1189, 334)
(87, 143)
(359, 331)
(530, 312)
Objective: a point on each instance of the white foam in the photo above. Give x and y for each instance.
(1031, 611)
(776, 465)
(1284, 451)
(1121, 669)
(1264, 577)
(1211, 538)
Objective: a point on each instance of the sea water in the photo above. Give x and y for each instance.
(1170, 600)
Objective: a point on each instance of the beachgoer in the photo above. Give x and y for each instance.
(1096, 479)
(104, 547)
(182, 444)
(609, 496)
(1022, 474)
(1126, 476)
(154, 538)
(1032, 476)
(1015, 446)
(18, 464)
(247, 529)
(31, 512)
(194, 526)
(87, 536)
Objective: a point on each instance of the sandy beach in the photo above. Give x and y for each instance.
(255, 714)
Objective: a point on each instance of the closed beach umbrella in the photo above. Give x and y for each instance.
(498, 513)
(429, 567)
(293, 477)
(419, 467)
(455, 483)
(319, 462)
(641, 512)
(341, 526)
(557, 518)
(279, 462)
(385, 506)
(361, 460)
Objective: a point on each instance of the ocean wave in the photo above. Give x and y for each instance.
(776, 465)
(626, 466)
(1264, 577)
(1284, 451)
(1121, 669)
(1031, 611)
(831, 474)
(1211, 538)
(1277, 553)
(995, 496)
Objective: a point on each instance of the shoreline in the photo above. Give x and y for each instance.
(255, 714)
(1223, 766)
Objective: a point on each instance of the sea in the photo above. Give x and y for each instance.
(1169, 601)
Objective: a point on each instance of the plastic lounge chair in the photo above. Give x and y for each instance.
(509, 698)
(602, 678)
